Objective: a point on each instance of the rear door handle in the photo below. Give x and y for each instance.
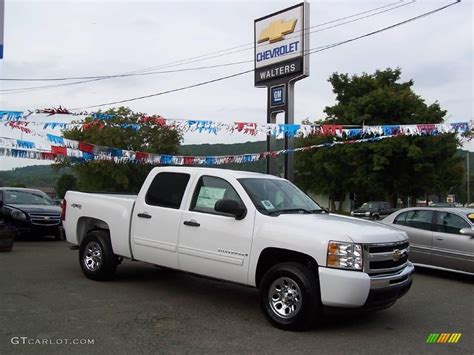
(144, 215)
(439, 238)
(191, 223)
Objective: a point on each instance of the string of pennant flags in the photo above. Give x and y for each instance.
(100, 120)
(58, 147)
(79, 152)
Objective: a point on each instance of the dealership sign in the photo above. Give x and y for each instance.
(280, 57)
(280, 41)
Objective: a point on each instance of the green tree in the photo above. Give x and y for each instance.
(394, 168)
(65, 183)
(107, 176)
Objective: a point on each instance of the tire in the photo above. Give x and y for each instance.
(376, 217)
(301, 302)
(57, 236)
(96, 257)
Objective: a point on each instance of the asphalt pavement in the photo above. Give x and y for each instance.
(46, 302)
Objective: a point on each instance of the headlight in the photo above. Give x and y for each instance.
(367, 214)
(352, 213)
(19, 215)
(344, 255)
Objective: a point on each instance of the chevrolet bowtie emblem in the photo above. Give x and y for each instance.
(397, 255)
(277, 30)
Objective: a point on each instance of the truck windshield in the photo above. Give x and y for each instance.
(368, 205)
(20, 197)
(274, 197)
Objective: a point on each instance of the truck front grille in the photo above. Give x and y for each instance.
(45, 219)
(386, 264)
(385, 258)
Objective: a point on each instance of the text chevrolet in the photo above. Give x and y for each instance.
(248, 228)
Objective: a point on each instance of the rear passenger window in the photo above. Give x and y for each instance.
(167, 190)
(401, 218)
(420, 219)
(450, 223)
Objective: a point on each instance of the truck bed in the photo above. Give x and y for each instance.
(113, 210)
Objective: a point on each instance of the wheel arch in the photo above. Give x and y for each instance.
(272, 256)
(88, 224)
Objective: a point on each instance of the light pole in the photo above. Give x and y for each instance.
(467, 178)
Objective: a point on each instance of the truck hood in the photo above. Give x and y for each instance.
(36, 208)
(355, 229)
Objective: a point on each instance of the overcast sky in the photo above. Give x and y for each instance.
(81, 38)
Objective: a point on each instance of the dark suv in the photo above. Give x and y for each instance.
(30, 211)
(373, 210)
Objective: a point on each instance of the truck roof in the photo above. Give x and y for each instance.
(237, 174)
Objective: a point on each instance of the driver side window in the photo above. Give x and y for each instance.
(209, 190)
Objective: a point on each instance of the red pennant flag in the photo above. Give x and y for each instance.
(86, 147)
(59, 150)
(141, 156)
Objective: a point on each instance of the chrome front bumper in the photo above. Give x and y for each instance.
(400, 279)
(386, 289)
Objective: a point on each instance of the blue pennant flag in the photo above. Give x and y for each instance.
(25, 144)
(55, 139)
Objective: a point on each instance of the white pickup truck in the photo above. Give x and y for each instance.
(248, 228)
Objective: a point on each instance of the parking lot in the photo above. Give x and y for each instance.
(44, 295)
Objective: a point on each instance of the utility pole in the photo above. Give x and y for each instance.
(468, 179)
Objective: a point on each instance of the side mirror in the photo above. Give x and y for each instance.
(231, 207)
(467, 231)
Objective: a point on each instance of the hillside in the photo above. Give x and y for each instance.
(230, 149)
(31, 176)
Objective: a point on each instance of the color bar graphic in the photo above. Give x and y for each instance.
(442, 338)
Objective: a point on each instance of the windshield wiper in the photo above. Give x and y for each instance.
(291, 210)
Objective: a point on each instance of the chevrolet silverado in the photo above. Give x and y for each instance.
(253, 229)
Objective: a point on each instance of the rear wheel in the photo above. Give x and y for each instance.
(290, 298)
(96, 257)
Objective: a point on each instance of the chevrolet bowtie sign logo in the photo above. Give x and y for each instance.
(276, 31)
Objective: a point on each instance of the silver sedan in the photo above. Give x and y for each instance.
(440, 238)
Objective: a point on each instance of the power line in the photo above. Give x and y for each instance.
(93, 79)
(187, 61)
(35, 88)
(251, 44)
(310, 51)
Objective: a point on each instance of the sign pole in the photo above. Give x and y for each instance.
(289, 141)
(281, 60)
(271, 140)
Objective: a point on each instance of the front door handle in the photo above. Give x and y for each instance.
(191, 223)
(439, 238)
(144, 215)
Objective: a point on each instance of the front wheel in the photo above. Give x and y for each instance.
(96, 257)
(290, 297)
